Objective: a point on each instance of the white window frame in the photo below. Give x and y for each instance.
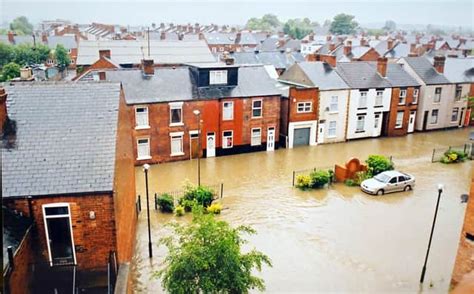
(224, 139)
(143, 157)
(304, 107)
(358, 130)
(399, 120)
(379, 98)
(231, 110)
(402, 97)
(45, 217)
(416, 93)
(456, 97)
(437, 97)
(334, 104)
(437, 116)
(175, 136)
(144, 119)
(455, 109)
(363, 99)
(173, 106)
(332, 129)
(257, 108)
(256, 140)
(217, 77)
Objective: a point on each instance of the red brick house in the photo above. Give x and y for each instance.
(71, 171)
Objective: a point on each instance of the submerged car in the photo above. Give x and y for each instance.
(388, 182)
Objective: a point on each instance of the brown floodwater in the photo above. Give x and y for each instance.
(330, 240)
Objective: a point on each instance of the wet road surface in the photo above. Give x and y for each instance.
(330, 240)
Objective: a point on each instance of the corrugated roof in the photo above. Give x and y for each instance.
(65, 140)
(361, 75)
(425, 70)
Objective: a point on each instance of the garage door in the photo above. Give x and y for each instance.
(301, 136)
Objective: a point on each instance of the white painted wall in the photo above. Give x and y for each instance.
(340, 116)
(312, 124)
(426, 103)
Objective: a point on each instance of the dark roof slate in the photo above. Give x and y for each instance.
(361, 75)
(425, 70)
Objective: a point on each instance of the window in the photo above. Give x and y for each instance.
(363, 99)
(214, 50)
(455, 114)
(143, 148)
(303, 107)
(402, 97)
(360, 123)
(217, 77)
(333, 107)
(393, 180)
(176, 143)
(228, 110)
(376, 121)
(256, 137)
(227, 139)
(379, 98)
(434, 116)
(416, 92)
(257, 108)
(437, 96)
(176, 110)
(332, 129)
(401, 179)
(399, 122)
(141, 117)
(458, 92)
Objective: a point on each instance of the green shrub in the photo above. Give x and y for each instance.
(187, 204)
(215, 208)
(201, 195)
(377, 164)
(319, 178)
(179, 210)
(453, 156)
(361, 176)
(350, 183)
(165, 203)
(303, 181)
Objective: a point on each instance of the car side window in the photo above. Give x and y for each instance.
(401, 179)
(393, 180)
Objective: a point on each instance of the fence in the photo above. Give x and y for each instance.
(217, 193)
(438, 153)
(296, 173)
(112, 271)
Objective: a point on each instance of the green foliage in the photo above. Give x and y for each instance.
(298, 28)
(215, 208)
(268, 22)
(21, 26)
(343, 24)
(375, 32)
(165, 203)
(62, 57)
(361, 176)
(179, 210)
(350, 183)
(377, 164)
(7, 54)
(390, 26)
(453, 156)
(201, 195)
(303, 182)
(205, 257)
(9, 71)
(319, 178)
(26, 54)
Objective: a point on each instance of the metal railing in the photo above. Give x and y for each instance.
(438, 153)
(112, 271)
(307, 171)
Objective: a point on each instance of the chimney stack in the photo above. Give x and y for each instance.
(3, 107)
(332, 47)
(329, 59)
(11, 37)
(311, 37)
(328, 38)
(104, 53)
(148, 67)
(363, 42)
(389, 44)
(162, 35)
(439, 63)
(348, 48)
(382, 66)
(412, 48)
(201, 36)
(227, 59)
(44, 38)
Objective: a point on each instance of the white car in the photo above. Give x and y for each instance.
(388, 182)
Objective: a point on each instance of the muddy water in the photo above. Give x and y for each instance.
(331, 240)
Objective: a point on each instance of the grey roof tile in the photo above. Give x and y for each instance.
(361, 75)
(425, 70)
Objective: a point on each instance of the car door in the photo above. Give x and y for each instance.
(402, 182)
(392, 185)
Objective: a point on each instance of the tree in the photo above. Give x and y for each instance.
(9, 71)
(343, 24)
(62, 57)
(22, 26)
(25, 54)
(298, 28)
(205, 257)
(268, 22)
(7, 54)
(390, 26)
(327, 23)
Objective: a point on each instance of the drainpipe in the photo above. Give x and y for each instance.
(30, 207)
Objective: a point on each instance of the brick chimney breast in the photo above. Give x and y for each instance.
(438, 63)
(382, 66)
(11, 37)
(104, 53)
(348, 48)
(148, 67)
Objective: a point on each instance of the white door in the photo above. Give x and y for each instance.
(377, 125)
(321, 134)
(411, 122)
(211, 145)
(271, 139)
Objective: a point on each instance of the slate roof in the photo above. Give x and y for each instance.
(69, 42)
(65, 140)
(279, 59)
(398, 51)
(425, 70)
(361, 75)
(319, 74)
(133, 51)
(356, 52)
(459, 70)
(397, 76)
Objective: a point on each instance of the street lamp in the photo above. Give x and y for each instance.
(440, 190)
(198, 115)
(146, 167)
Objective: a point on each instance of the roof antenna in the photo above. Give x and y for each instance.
(148, 41)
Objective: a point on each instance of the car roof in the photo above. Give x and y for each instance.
(393, 173)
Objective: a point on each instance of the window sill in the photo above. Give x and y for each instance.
(333, 112)
(144, 158)
(257, 117)
(227, 147)
(298, 112)
(142, 127)
(177, 154)
(402, 104)
(227, 119)
(177, 125)
(358, 132)
(361, 108)
(331, 137)
(378, 106)
(397, 128)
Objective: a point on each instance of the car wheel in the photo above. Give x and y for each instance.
(380, 192)
(407, 188)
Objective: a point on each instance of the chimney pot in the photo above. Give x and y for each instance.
(438, 63)
(148, 66)
(162, 36)
(382, 66)
(348, 48)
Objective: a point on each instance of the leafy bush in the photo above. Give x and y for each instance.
(350, 183)
(303, 181)
(179, 210)
(187, 204)
(165, 203)
(377, 164)
(202, 195)
(215, 208)
(319, 178)
(453, 156)
(361, 176)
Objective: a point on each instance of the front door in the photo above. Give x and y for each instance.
(321, 133)
(301, 136)
(411, 122)
(211, 145)
(425, 120)
(59, 236)
(461, 121)
(271, 139)
(194, 138)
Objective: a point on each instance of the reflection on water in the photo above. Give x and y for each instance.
(336, 239)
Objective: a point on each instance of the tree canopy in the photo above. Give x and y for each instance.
(298, 28)
(21, 26)
(9, 71)
(268, 22)
(205, 257)
(390, 26)
(26, 54)
(343, 24)
(62, 57)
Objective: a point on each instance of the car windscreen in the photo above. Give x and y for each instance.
(382, 178)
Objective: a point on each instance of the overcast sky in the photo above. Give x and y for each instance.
(447, 12)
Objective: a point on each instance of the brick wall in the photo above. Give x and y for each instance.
(303, 95)
(19, 279)
(371, 55)
(395, 108)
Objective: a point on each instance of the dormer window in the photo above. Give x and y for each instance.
(217, 77)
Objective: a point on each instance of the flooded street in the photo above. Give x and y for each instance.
(330, 240)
